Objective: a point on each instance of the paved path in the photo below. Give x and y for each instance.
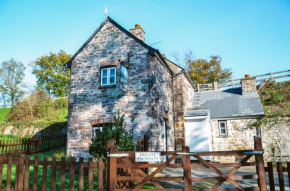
(171, 172)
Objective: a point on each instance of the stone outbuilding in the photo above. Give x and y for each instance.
(116, 71)
(221, 119)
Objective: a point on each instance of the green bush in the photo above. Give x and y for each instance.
(124, 140)
(60, 103)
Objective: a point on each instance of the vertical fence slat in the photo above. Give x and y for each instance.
(35, 173)
(90, 174)
(260, 164)
(20, 173)
(62, 173)
(53, 174)
(26, 174)
(280, 176)
(185, 170)
(72, 174)
(16, 173)
(8, 178)
(100, 174)
(271, 176)
(189, 182)
(81, 174)
(1, 169)
(44, 174)
(288, 171)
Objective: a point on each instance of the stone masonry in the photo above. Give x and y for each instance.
(240, 136)
(183, 94)
(146, 105)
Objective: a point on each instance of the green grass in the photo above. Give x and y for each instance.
(3, 114)
(39, 182)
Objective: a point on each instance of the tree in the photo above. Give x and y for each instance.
(51, 73)
(11, 78)
(204, 71)
(124, 140)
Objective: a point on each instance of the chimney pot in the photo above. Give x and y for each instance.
(137, 26)
(247, 75)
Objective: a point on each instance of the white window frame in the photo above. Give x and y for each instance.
(108, 76)
(220, 128)
(94, 130)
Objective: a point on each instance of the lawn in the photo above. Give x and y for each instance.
(67, 175)
(3, 113)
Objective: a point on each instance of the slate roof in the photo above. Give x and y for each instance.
(229, 103)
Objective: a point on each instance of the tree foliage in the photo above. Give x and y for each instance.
(11, 78)
(124, 140)
(208, 71)
(51, 73)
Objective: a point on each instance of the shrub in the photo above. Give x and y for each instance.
(124, 140)
(60, 103)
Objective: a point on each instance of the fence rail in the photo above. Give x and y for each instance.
(46, 174)
(30, 146)
(271, 76)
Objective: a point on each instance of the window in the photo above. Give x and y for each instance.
(124, 77)
(108, 76)
(223, 128)
(96, 131)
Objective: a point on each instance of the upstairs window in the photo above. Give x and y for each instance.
(223, 128)
(108, 76)
(124, 77)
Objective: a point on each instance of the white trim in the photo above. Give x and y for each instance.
(108, 76)
(95, 128)
(225, 128)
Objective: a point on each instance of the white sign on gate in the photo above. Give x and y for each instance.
(147, 157)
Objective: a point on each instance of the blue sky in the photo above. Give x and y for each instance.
(251, 36)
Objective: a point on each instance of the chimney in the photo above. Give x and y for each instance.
(138, 32)
(248, 84)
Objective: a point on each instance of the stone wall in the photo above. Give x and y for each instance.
(276, 136)
(240, 136)
(183, 95)
(145, 104)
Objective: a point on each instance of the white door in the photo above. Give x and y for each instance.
(198, 135)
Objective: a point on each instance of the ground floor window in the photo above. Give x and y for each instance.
(223, 128)
(96, 131)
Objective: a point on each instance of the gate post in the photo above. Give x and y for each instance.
(186, 170)
(111, 167)
(260, 164)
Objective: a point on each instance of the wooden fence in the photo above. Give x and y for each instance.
(134, 176)
(279, 168)
(269, 77)
(30, 146)
(45, 174)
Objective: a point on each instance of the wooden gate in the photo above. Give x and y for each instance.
(123, 173)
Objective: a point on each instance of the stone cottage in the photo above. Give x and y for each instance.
(222, 119)
(116, 71)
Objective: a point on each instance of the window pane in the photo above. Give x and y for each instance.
(104, 81)
(112, 80)
(223, 131)
(222, 125)
(112, 71)
(104, 73)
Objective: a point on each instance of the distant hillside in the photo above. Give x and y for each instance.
(276, 99)
(35, 115)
